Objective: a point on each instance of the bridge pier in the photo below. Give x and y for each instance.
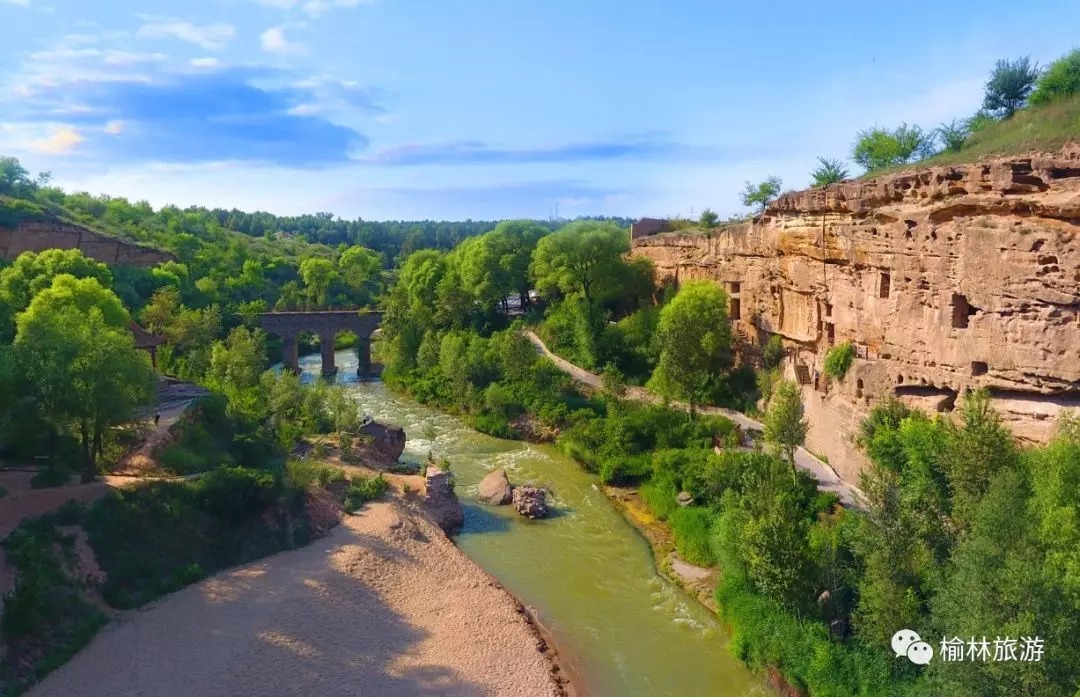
(326, 345)
(290, 349)
(363, 356)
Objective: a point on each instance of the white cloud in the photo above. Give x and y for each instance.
(305, 110)
(63, 140)
(205, 63)
(273, 40)
(317, 7)
(210, 36)
(23, 3)
(114, 128)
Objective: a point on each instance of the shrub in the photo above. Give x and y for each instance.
(179, 460)
(364, 489)
(772, 352)
(50, 477)
(237, 493)
(3, 492)
(306, 473)
(1009, 86)
(692, 528)
(839, 359)
(1061, 80)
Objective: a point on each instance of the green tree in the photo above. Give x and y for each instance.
(1061, 80)
(709, 219)
(582, 257)
(14, 178)
(878, 148)
(828, 171)
(33, 272)
(694, 336)
(785, 426)
(239, 361)
(83, 371)
(318, 275)
(1009, 85)
(360, 268)
(514, 242)
(954, 134)
(761, 194)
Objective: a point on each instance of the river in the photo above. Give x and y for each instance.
(625, 630)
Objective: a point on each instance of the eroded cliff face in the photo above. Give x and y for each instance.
(37, 236)
(944, 278)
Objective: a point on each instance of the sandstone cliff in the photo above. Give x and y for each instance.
(39, 235)
(944, 278)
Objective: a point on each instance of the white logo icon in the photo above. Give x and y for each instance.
(910, 644)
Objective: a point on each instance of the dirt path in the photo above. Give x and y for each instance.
(385, 606)
(828, 479)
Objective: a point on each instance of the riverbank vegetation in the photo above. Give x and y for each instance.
(813, 591)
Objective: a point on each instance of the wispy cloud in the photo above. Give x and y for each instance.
(23, 3)
(63, 140)
(273, 41)
(479, 153)
(312, 8)
(209, 36)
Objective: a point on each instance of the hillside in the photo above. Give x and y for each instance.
(943, 279)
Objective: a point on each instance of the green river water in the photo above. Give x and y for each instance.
(621, 628)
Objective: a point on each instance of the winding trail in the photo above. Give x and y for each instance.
(384, 605)
(828, 479)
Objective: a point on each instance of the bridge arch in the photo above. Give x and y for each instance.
(326, 324)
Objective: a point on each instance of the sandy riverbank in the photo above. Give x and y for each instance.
(385, 605)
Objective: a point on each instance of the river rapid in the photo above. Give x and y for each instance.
(617, 624)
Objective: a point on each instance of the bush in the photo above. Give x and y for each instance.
(692, 527)
(839, 359)
(1060, 81)
(49, 477)
(236, 493)
(3, 492)
(179, 460)
(306, 473)
(364, 489)
(772, 352)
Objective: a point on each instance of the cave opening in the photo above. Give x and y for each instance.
(962, 310)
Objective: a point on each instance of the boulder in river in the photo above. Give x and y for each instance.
(530, 501)
(495, 489)
(441, 501)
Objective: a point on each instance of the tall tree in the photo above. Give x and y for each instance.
(582, 257)
(694, 336)
(709, 219)
(360, 268)
(318, 275)
(1009, 86)
(84, 372)
(785, 426)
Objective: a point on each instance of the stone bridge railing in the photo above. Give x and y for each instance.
(326, 324)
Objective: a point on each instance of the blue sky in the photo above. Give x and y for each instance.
(406, 109)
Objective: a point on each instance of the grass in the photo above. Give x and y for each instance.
(364, 489)
(692, 528)
(1035, 129)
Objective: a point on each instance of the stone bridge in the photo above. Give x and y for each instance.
(326, 324)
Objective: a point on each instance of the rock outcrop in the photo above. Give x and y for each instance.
(441, 502)
(494, 489)
(530, 501)
(388, 439)
(944, 279)
(39, 235)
